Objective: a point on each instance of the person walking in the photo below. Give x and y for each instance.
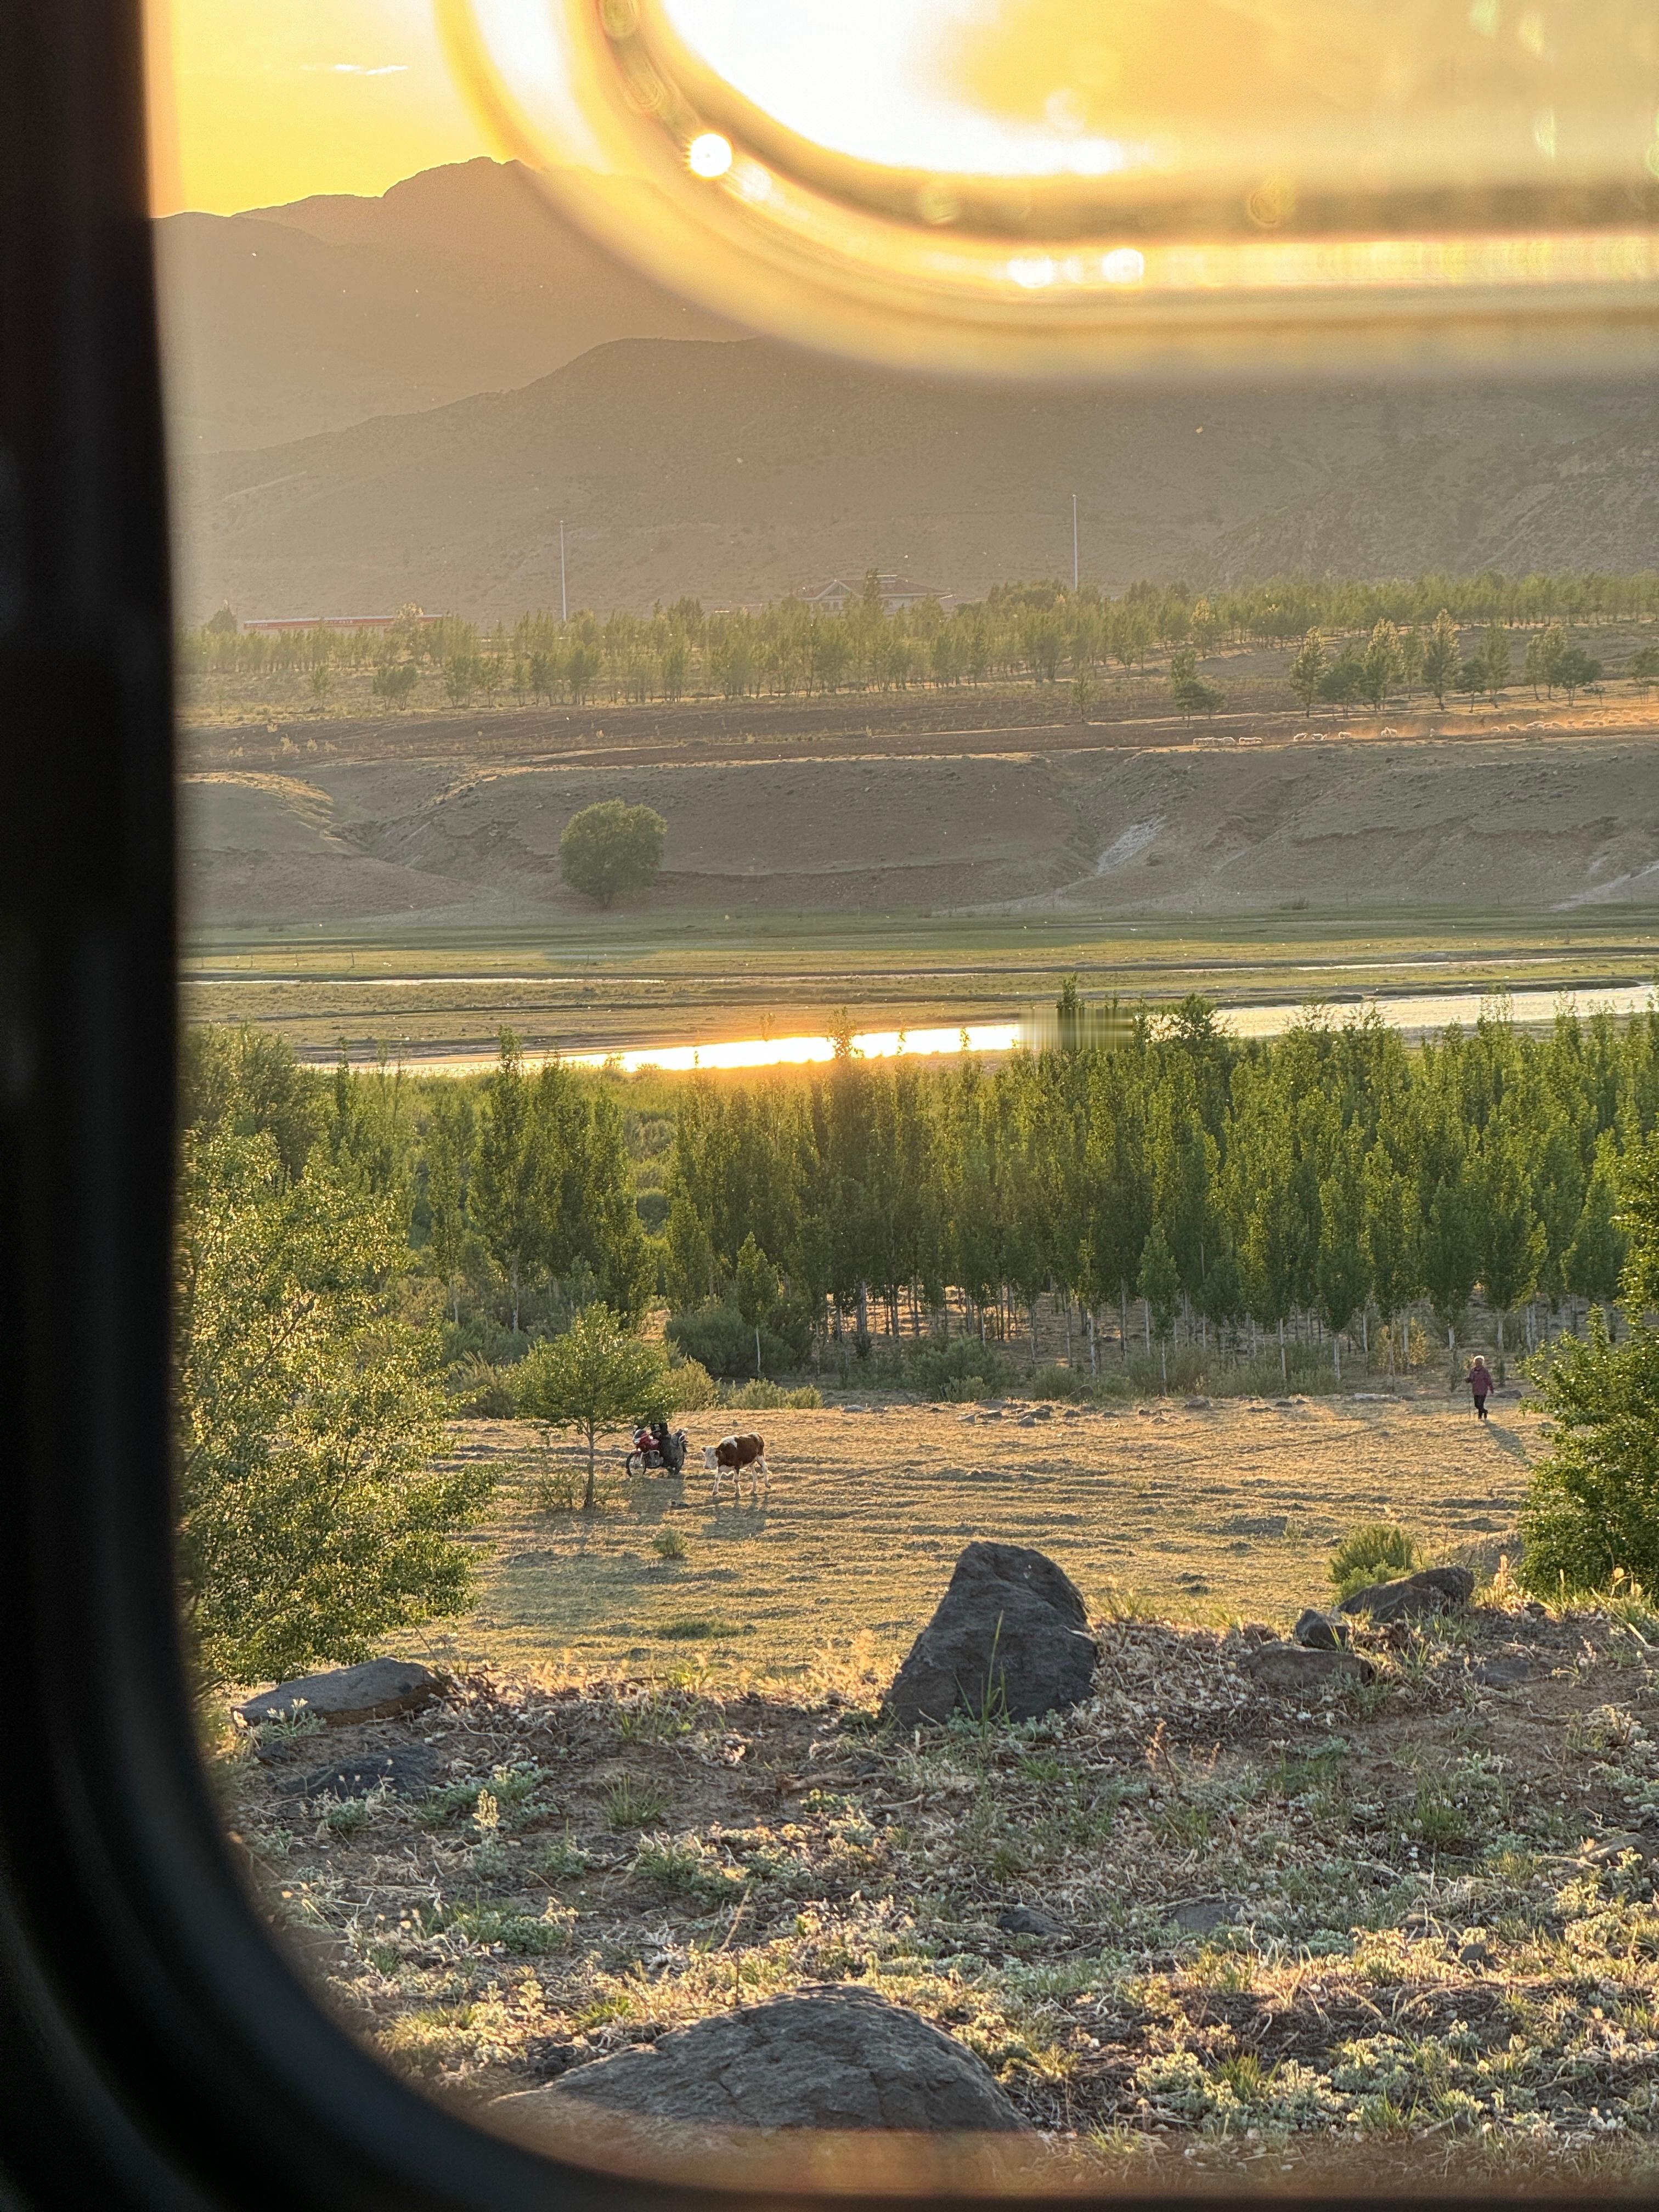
(1480, 1380)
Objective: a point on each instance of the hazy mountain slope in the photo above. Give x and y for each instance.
(289, 320)
(742, 471)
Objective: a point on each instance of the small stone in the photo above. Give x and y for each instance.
(1502, 1673)
(1026, 1920)
(1319, 1632)
(1195, 1404)
(1436, 1589)
(1292, 1670)
(407, 1771)
(1605, 1850)
(1202, 1915)
(376, 1689)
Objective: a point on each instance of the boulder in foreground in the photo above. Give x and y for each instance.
(376, 1689)
(1010, 1640)
(1436, 1589)
(837, 2058)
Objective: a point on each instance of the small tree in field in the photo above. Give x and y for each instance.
(1594, 1506)
(595, 1376)
(396, 681)
(611, 847)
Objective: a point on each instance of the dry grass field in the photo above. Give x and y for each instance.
(1402, 1937)
(1194, 1513)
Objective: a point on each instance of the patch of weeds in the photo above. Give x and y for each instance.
(758, 1397)
(631, 1804)
(560, 1860)
(1186, 1822)
(512, 1790)
(654, 1719)
(272, 1739)
(349, 1816)
(1042, 1766)
(1240, 2091)
(521, 1934)
(1604, 1728)
(460, 2039)
(686, 1867)
(691, 1627)
(669, 1544)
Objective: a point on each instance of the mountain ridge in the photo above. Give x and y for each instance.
(739, 471)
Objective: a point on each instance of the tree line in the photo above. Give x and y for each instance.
(1146, 1177)
(1039, 633)
(1230, 1189)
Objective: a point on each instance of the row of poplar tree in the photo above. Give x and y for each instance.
(1029, 632)
(1328, 1177)
(1227, 1189)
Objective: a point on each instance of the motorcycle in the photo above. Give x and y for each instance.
(649, 1457)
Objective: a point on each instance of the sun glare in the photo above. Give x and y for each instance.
(879, 81)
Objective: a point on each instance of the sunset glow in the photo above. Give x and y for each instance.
(253, 105)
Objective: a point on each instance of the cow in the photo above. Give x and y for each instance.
(738, 1453)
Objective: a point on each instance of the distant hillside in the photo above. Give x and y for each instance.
(740, 471)
(289, 321)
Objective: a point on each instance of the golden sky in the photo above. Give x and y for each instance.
(257, 101)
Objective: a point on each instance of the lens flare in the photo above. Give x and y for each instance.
(1040, 188)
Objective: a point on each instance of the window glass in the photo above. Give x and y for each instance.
(917, 1212)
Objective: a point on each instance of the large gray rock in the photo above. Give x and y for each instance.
(1009, 1639)
(377, 1690)
(834, 2058)
(1436, 1589)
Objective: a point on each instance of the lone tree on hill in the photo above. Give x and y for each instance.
(611, 847)
(595, 1376)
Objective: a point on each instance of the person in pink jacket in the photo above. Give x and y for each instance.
(1480, 1380)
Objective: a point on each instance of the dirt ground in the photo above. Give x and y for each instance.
(1201, 1514)
(1404, 1937)
(1560, 821)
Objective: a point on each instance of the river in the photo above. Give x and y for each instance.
(1414, 1013)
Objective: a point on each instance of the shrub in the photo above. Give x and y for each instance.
(1375, 1552)
(478, 1389)
(769, 1397)
(668, 1544)
(1060, 1382)
(1594, 1506)
(957, 1370)
(611, 847)
(692, 1386)
(718, 1338)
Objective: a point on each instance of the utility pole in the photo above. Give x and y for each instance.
(1074, 544)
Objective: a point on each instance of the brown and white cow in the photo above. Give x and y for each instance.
(740, 1454)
